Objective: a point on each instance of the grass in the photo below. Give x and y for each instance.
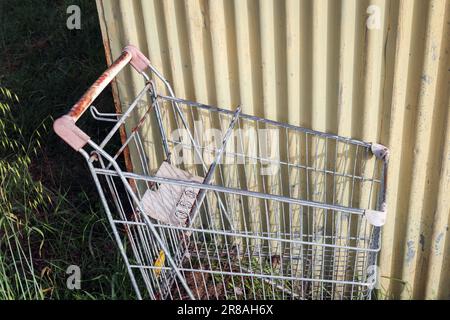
(50, 214)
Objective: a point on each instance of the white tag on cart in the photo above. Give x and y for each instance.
(171, 203)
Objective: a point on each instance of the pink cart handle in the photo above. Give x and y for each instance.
(65, 126)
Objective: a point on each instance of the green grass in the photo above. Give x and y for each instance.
(50, 213)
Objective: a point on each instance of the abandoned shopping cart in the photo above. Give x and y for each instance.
(208, 203)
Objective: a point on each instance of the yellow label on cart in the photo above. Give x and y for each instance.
(160, 262)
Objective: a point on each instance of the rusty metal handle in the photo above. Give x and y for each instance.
(65, 126)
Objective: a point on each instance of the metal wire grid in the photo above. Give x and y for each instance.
(298, 232)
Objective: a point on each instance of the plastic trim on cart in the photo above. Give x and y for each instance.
(375, 217)
(65, 128)
(380, 151)
(139, 60)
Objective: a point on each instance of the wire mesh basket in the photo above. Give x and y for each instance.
(218, 204)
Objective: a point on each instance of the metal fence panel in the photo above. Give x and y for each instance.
(374, 70)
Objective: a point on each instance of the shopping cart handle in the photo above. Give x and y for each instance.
(65, 126)
(66, 129)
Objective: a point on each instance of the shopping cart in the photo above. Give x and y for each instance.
(208, 203)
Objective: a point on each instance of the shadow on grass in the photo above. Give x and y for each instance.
(49, 67)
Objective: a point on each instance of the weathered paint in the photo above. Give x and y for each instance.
(376, 70)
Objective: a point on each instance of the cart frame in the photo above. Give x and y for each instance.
(217, 254)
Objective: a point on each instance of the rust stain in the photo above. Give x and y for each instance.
(141, 121)
(85, 101)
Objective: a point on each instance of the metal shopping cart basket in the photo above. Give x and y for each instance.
(218, 204)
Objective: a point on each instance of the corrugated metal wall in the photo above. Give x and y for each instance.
(375, 70)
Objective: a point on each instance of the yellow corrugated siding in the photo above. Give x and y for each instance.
(332, 66)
